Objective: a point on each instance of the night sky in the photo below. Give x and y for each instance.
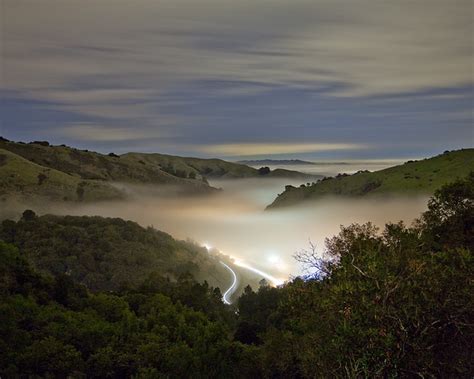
(240, 79)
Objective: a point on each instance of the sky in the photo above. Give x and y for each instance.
(240, 79)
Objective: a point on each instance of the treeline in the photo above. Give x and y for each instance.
(54, 327)
(107, 253)
(395, 303)
(399, 303)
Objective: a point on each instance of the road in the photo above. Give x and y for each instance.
(233, 287)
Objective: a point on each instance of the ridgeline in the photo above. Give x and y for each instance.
(412, 178)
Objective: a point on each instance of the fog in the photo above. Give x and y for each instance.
(333, 168)
(234, 220)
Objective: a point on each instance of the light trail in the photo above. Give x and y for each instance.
(233, 286)
(272, 279)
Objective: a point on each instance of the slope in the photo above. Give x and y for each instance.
(208, 168)
(23, 179)
(91, 165)
(413, 177)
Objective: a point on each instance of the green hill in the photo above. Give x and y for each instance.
(91, 165)
(23, 179)
(207, 168)
(413, 177)
(73, 174)
(192, 167)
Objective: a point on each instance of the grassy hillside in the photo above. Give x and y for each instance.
(189, 174)
(90, 165)
(413, 177)
(193, 167)
(207, 168)
(23, 179)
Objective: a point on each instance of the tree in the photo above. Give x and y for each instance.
(264, 171)
(41, 178)
(80, 191)
(28, 215)
(449, 221)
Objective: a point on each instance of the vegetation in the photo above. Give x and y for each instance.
(23, 179)
(106, 254)
(53, 327)
(38, 170)
(413, 177)
(391, 304)
(89, 165)
(208, 168)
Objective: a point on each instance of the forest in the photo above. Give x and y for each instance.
(388, 303)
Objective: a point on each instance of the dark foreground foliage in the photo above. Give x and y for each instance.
(106, 254)
(396, 303)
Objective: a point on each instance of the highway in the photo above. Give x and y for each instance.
(233, 287)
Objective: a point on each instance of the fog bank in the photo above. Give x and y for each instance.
(234, 221)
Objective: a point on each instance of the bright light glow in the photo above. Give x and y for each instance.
(207, 246)
(274, 259)
(272, 279)
(277, 262)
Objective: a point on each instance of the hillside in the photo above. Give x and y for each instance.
(107, 253)
(413, 177)
(192, 167)
(23, 179)
(398, 303)
(208, 168)
(67, 168)
(91, 165)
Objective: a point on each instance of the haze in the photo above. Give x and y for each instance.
(235, 223)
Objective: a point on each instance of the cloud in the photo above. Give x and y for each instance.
(135, 62)
(253, 149)
(96, 132)
(370, 48)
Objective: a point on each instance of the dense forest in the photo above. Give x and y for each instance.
(391, 303)
(105, 254)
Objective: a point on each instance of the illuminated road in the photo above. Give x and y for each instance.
(232, 288)
(272, 279)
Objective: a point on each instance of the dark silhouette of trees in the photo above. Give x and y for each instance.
(396, 302)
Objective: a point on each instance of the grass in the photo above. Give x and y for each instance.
(20, 178)
(413, 177)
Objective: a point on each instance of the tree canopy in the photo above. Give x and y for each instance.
(388, 303)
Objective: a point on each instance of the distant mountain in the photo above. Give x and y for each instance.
(40, 170)
(413, 177)
(276, 162)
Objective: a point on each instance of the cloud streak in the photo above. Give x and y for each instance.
(145, 62)
(96, 132)
(255, 149)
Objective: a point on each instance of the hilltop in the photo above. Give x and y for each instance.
(40, 170)
(90, 165)
(23, 179)
(209, 168)
(413, 177)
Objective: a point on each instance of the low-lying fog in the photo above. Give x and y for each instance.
(234, 221)
(334, 168)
